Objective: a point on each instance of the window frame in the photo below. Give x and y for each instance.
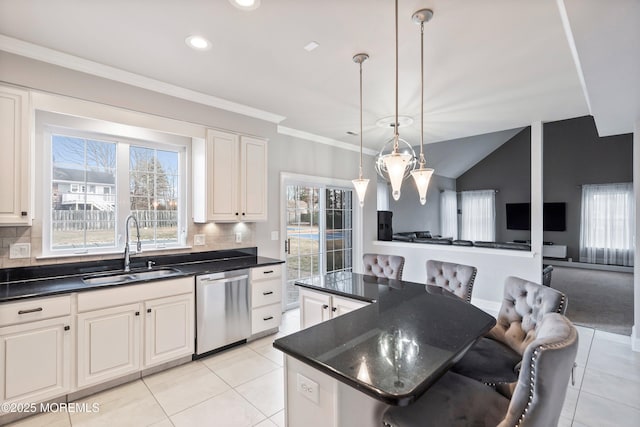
(52, 123)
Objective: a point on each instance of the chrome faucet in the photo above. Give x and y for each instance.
(126, 241)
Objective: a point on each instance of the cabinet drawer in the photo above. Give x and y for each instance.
(34, 309)
(266, 272)
(266, 292)
(264, 318)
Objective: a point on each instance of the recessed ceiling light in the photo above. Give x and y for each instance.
(387, 122)
(198, 43)
(310, 46)
(246, 4)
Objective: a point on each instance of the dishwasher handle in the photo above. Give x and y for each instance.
(223, 280)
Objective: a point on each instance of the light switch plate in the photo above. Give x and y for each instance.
(238, 237)
(308, 388)
(198, 240)
(20, 250)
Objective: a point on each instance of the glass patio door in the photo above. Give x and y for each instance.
(319, 233)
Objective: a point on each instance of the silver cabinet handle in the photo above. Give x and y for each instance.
(32, 310)
(267, 293)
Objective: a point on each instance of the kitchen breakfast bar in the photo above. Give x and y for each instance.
(347, 370)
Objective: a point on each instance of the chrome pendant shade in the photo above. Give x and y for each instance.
(422, 175)
(361, 183)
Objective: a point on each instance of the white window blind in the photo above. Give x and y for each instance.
(449, 214)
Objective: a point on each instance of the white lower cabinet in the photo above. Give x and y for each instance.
(316, 307)
(35, 359)
(141, 326)
(168, 329)
(108, 344)
(266, 298)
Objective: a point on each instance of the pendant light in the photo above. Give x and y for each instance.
(361, 183)
(422, 175)
(396, 162)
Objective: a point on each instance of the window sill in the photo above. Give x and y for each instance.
(111, 252)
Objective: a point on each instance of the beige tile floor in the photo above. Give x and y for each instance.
(244, 387)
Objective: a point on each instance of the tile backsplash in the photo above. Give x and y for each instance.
(216, 236)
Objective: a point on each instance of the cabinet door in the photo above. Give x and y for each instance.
(15, 191)
(108, 344)
(169, 329)
(314, 308)
(222, 176)
(253, 179)
(35, 360)
(342, 306)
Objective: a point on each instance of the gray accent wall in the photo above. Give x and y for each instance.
(507, 170)
(574, 155)
(410, 215)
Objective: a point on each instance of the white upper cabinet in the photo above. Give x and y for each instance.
(15, 161)
(230, 178)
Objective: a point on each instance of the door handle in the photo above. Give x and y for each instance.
(334, 309)
(267, 293)
(287, 246)
(325, 306)
(267, 318)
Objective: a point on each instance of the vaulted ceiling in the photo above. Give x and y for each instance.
(490, 66)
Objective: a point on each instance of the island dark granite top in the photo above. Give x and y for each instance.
(395, 348)
(47, 280)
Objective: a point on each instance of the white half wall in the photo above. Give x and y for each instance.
(494, 266)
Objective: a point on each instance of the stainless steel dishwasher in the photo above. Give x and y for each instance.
(223, 310)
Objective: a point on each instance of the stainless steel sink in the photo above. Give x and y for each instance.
(154, 274)
(118, 278)
(110, 279)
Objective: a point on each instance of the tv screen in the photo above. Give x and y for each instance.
(553, 216)
(518, 216)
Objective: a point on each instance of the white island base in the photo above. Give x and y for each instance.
(314, 399)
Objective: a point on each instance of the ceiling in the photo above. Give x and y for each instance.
(490, 65)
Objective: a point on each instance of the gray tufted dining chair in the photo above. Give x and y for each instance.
(538, 395)
(388, 266)
(495, 358)
(455, 278)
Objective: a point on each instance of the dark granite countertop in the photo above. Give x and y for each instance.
(31, 282)
(394, 348)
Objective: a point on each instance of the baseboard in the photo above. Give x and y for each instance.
(491, 307)
(635, 339)
(588, 266)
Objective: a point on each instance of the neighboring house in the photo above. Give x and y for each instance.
(72, 190)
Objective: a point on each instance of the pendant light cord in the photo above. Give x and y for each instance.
(397, 133)
(422, 161)
(360, 120)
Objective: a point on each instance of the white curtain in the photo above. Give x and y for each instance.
(478, 215)
(449, 214)
(607, 228)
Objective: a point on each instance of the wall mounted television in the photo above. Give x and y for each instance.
(553, 216)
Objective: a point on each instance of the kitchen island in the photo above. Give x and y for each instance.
(346, 371)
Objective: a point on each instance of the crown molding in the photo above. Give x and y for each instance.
(283, 130)
(51, 56)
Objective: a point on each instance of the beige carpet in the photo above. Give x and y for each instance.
(597, 299)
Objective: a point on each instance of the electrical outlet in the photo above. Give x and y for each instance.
(20, 250)
(198, 239)
(308, 388)
(238, 237)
